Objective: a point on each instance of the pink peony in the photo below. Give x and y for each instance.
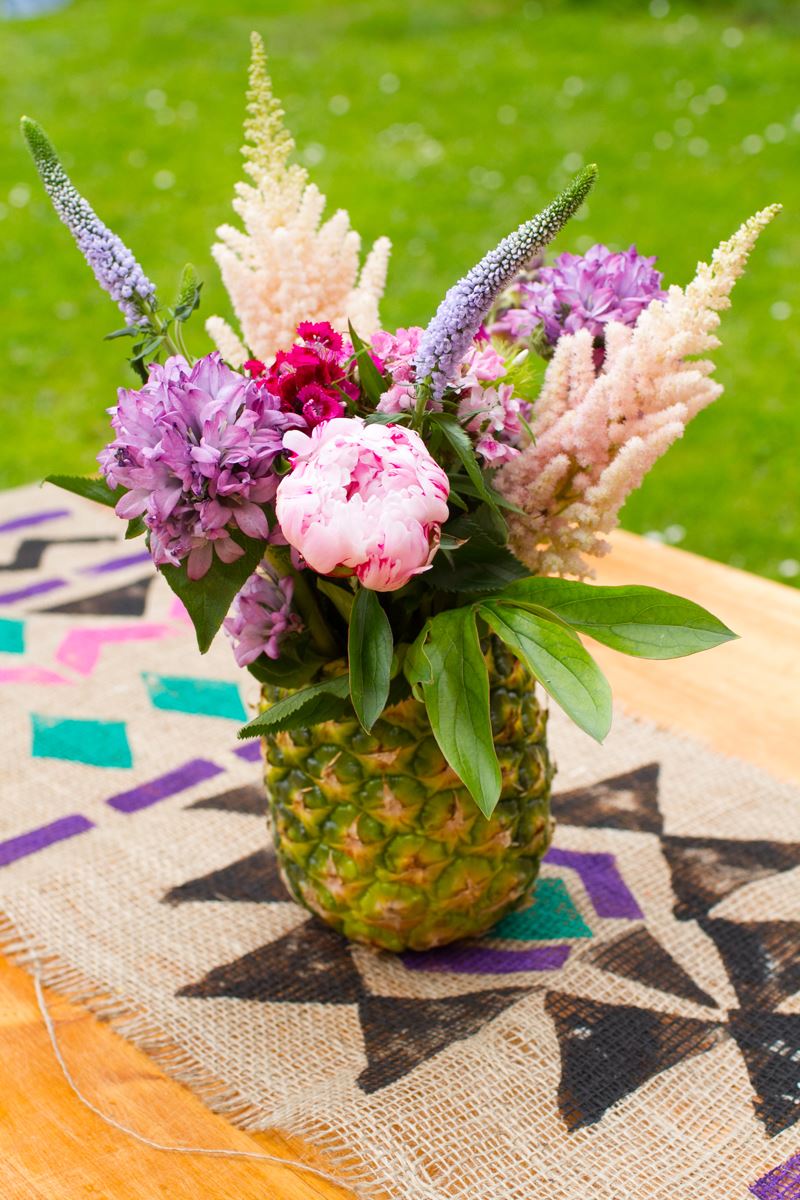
(368, 498)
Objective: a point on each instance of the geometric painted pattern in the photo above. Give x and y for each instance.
(98, 743)
(551, 914)
(198, 697)
(12, 636)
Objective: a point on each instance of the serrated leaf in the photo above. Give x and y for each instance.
(91, 487)
(455, 691)
(641, 621)
(562, 665)
(328, 700)
(209, 599)
(369, 652)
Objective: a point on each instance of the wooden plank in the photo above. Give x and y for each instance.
(743, 699)
(53, 1148)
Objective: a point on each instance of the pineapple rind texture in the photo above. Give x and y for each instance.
(378, 836)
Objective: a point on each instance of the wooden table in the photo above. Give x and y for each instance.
(742, 699)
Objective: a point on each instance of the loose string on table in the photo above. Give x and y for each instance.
(209, 1151)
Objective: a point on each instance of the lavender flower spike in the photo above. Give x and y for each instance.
(115, 268)
(459, 316)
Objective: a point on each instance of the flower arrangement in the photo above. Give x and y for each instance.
(382, 518)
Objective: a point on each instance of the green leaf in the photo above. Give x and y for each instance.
(208, 600)
(188, 298)
(460, 442)
(298, 663)
(128, 331)
(455, 690)
(328, 700)
(341, 598)
(381, 418)
(482, 564)
(136, 527)
(372, 382)
(91, 487)
(558, 660)
(369, 652)
(416, 664)
(642, 621)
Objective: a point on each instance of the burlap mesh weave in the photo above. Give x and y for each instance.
(634, 1033)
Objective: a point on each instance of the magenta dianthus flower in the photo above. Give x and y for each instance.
(195, 449)
(261, 616)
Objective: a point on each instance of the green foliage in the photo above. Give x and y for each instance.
(91, 487)
(372, 382)
(482, 563)
(328, 700)
(297, 665)
(369, 654)
(208, 600)
(446, 667)
(641, 621)
(558, 660)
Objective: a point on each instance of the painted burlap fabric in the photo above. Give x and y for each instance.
(634, 1032)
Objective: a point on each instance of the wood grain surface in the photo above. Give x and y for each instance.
(741, 699)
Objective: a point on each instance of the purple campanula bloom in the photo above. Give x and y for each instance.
(261, 616)
(196, 447)
(114, 266)
(461, 313)
(584, 292)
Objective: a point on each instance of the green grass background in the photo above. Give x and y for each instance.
(442, 124)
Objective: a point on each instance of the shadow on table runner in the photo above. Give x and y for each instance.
(634, 1031)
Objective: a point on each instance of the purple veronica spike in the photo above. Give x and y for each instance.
(459, 316)
(114, 266)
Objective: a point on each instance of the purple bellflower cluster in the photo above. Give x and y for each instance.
(195, 448)
(115, 268)
(261, 616)
(459, 316)
(583, 292)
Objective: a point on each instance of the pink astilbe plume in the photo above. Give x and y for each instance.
(288, 265)
(598, 434)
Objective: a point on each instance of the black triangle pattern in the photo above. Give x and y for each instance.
(30, 551)
(250, 800)
(706, 870)
(770, 1045)
(255, 879)
(400, 1034)
(309, 965)
(609, 1051)
(628, 801)
(638, 956)
(128, 601)
(762, 958)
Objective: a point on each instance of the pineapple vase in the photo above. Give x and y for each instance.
(376, 834)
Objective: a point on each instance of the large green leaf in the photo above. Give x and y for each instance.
(209, 599)
(641, 621)
(325, 701)
(558, 660)
(369, 651)
(447, 666)
(91, 487)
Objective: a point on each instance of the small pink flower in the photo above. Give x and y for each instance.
(365, 497)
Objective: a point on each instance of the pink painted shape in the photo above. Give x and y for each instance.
(31, 675)
(80, 649)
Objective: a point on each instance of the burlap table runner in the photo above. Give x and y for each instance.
(634, 1033)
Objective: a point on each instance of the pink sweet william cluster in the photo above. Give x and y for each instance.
(313, 378)
(196, 447)
(363, 499)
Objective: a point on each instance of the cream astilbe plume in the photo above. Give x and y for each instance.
(597, 435)
(286, 265)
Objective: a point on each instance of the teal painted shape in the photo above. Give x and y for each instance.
(552, 915)
(12, 636)
(97, 743)
(201, 697)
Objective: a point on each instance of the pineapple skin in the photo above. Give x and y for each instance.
(377, 836)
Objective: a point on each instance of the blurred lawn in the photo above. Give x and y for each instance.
(442, 124)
